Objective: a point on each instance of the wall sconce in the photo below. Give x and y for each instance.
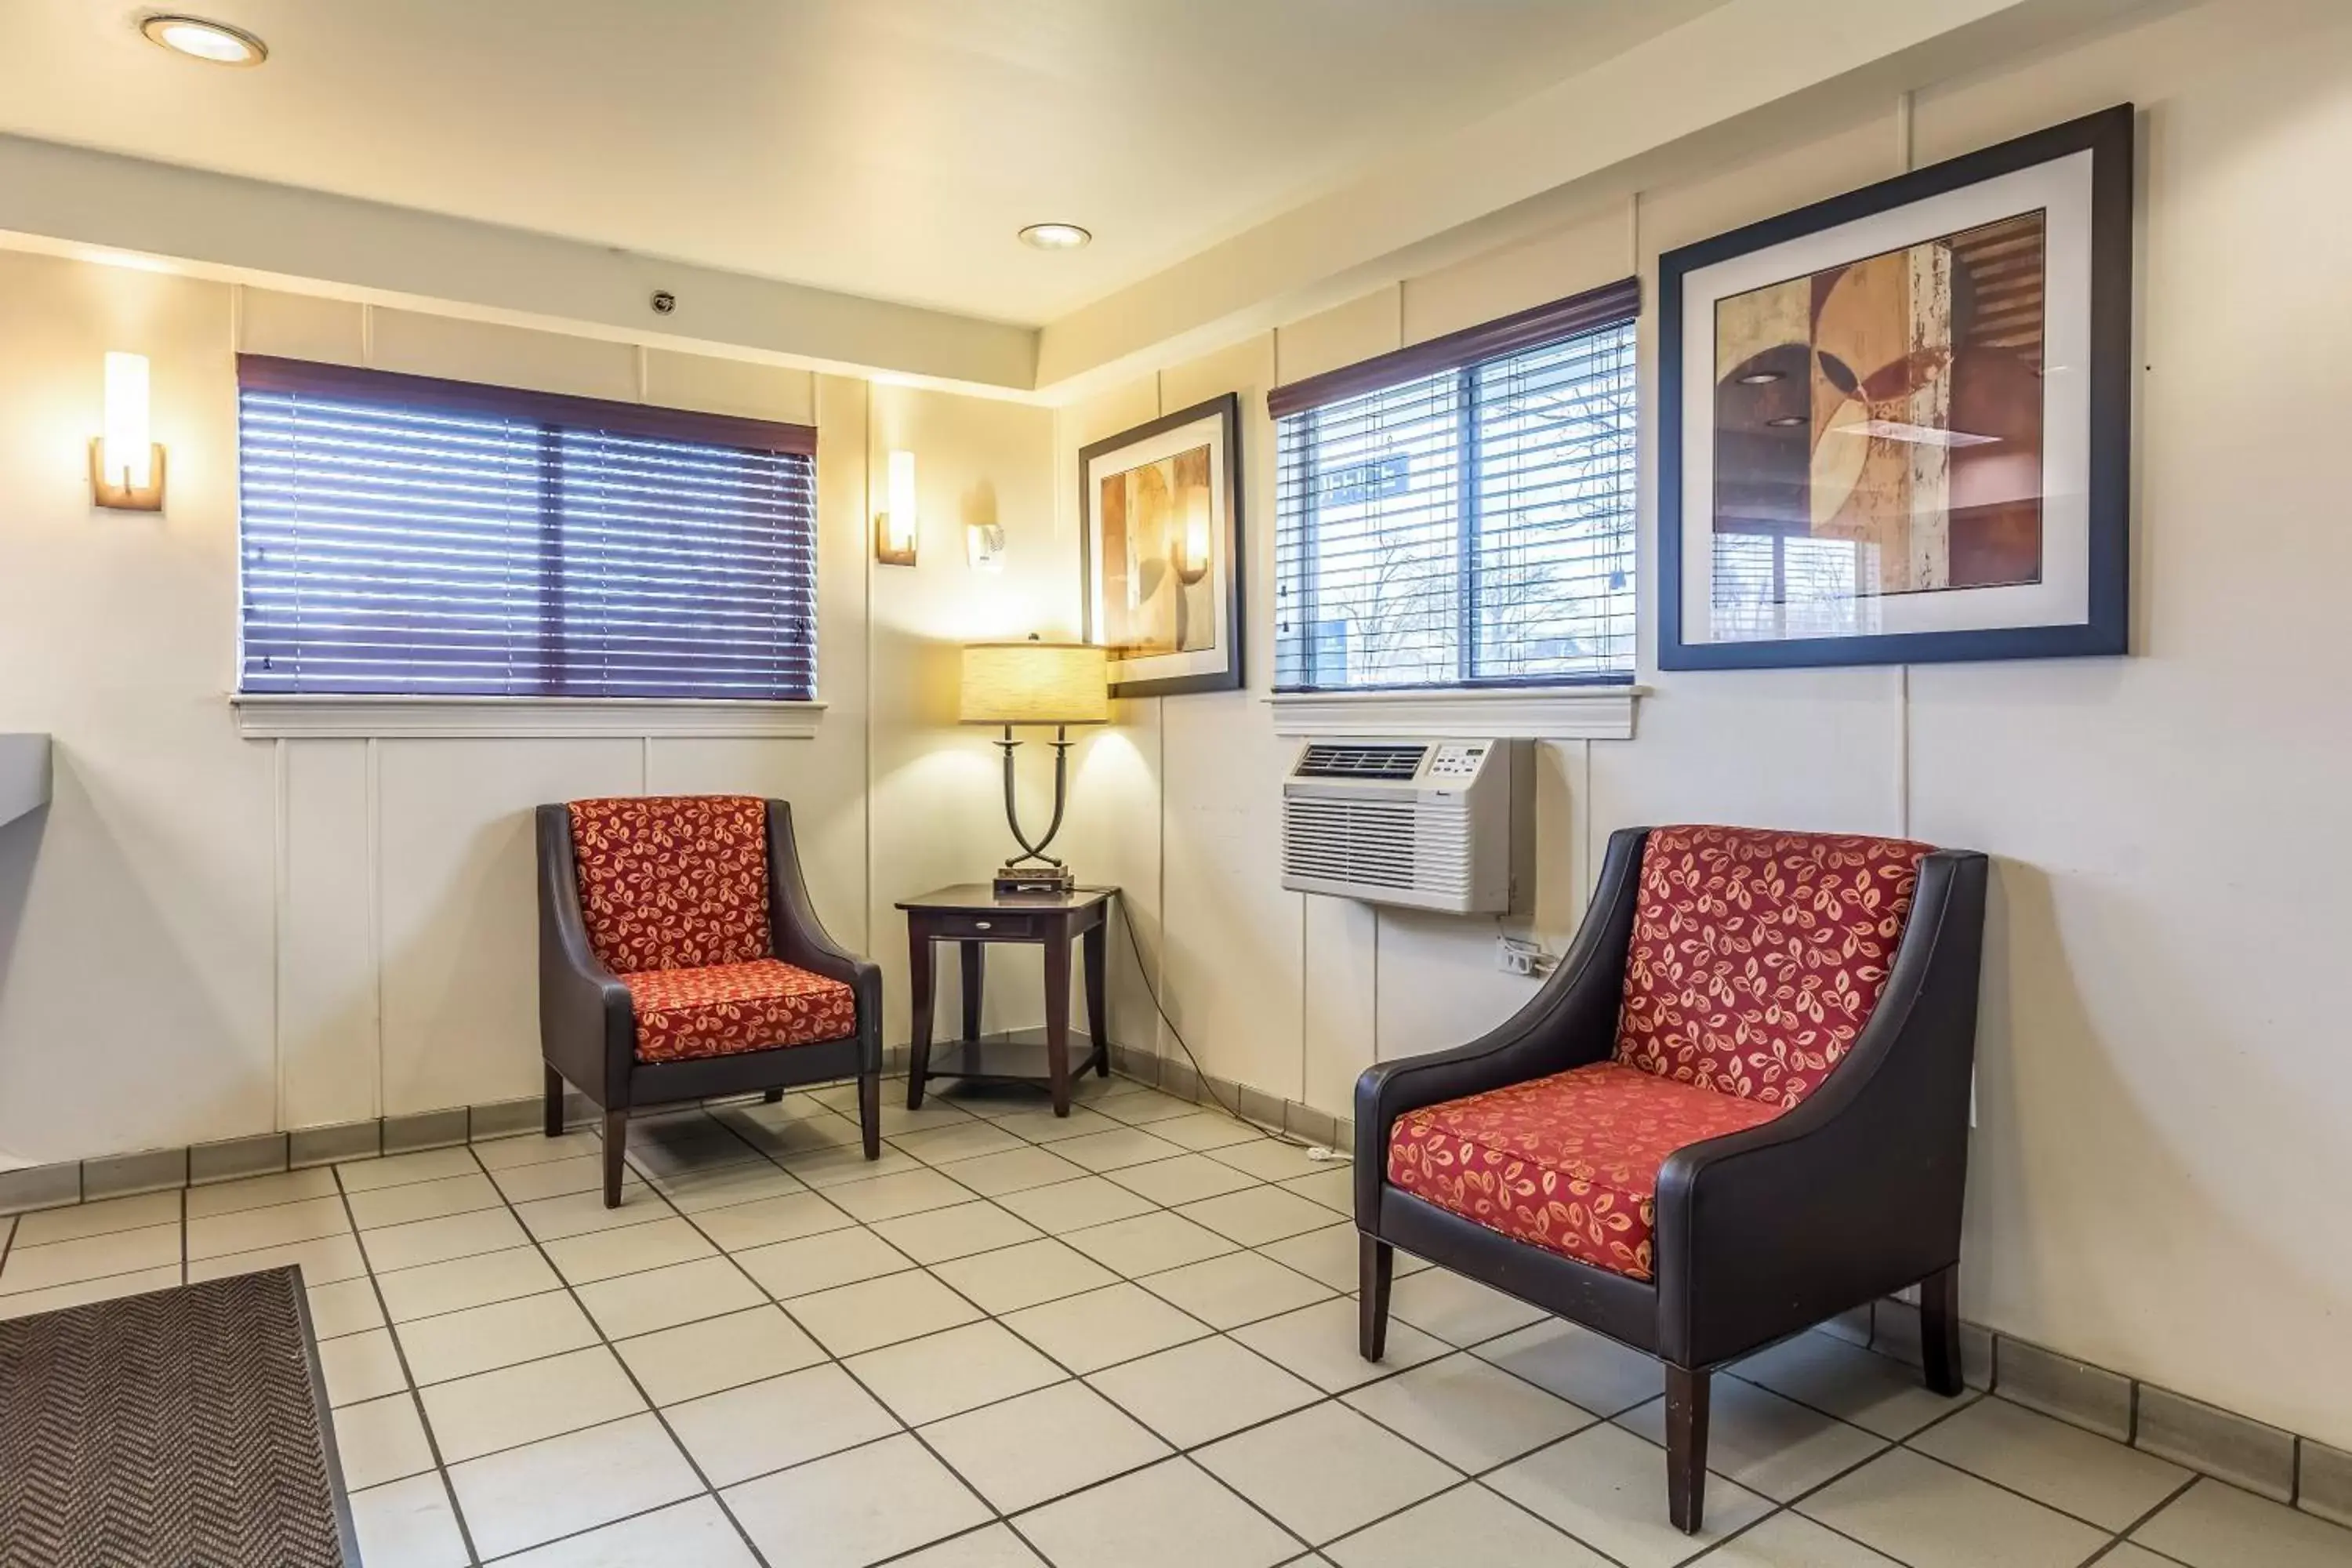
(126, 466)
(895, 527)
(983, 544)
(1192, 544)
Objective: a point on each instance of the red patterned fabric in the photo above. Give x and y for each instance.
(1567, 1162)
(673, 881)
(1757, 956)
(727, 1008)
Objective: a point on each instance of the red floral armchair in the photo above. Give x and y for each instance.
(1738, 1108)
(680, 958)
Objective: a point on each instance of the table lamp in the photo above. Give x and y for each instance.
(1035, 682)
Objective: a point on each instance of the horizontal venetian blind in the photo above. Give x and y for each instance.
(1468, 526)
(408, 537)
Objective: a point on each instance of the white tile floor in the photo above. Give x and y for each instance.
(1121, 1341)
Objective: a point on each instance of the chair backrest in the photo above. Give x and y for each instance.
(673, 881)
(1757, 956)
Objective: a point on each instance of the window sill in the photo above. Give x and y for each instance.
(1553, 714)
(268, 716)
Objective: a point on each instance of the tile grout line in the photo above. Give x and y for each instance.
(571, 1289)
(757, 1155)
(407, 1376)
(1323, 1397)
(1251, 1181)
(1070, 1376)
(906, 1428)
(2128, 1531)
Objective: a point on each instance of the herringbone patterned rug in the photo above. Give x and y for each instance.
(180, 1429)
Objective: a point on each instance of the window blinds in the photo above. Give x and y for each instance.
(414, 537)
(1470, 524)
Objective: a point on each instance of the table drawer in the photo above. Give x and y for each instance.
(989, 927)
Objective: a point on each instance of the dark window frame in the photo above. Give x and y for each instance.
(1464, 354)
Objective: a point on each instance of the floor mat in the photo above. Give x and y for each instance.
(185, 1426)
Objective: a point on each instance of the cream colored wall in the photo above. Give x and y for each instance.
(207, 936)
(2158, 1177)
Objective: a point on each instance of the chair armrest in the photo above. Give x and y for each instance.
(1571, 1021)
(1856, 1192)
(800, 938)
(587, 1024)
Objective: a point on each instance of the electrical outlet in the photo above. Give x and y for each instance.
(1518, 955)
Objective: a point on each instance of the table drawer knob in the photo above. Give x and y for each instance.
(982, 925)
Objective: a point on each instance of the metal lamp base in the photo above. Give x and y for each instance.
(1015, 880)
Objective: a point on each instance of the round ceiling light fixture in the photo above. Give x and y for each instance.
(1056, 236)
(215, 43)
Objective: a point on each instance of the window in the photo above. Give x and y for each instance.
(1461, 513)
(407, 536)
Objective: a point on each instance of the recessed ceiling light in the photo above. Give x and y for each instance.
(198, 38)
(1055, 235)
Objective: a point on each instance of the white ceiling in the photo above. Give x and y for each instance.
(887, 148)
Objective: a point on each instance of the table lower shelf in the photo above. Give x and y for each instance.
(1019, 1058)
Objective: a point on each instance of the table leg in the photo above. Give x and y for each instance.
(1097, 1006)
(1057, 1015)
(918, 982)
(974, 961)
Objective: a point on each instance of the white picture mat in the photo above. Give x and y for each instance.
(2060, 189)
(1209, 431)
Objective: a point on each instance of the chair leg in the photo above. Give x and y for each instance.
(1685, 1448)
(616, 1144)
(1376, 1265)
(554, 1103)
(1940, 1328)
(869, 1112)
(772, 1096)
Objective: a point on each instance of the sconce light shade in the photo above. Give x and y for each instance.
(1036, 683)
(895, 528)
(126, 466)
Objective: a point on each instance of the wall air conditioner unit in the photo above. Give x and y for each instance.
(1435, 824)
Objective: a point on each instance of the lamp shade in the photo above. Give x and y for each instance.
(1036, 683)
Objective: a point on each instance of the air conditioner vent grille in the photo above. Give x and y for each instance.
(1371, 843)
(1394, 762)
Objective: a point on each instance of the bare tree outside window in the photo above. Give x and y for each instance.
(1472, 527)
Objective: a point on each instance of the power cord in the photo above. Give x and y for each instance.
(1320, 1152)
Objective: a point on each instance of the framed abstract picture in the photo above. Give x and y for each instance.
(1895, 426)
(1162, 529)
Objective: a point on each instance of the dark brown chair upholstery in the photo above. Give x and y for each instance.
(679, 958)
(1738, 1108)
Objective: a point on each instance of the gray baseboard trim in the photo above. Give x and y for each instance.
(2190, 1431)
(2074, 1391)
(2246, 1453)
(2323, 1480)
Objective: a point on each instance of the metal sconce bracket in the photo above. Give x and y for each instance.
(885, 553)
(148, 497)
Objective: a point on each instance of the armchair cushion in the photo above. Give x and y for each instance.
(1757, 956)
(1567, 1162)
(723, 1009)
(673, 881)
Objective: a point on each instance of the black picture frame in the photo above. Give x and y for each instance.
(1227, 410)
(2109, 137)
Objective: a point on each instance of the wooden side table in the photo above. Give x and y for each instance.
(975, 915)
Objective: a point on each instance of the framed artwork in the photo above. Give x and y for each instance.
(1895, 426)
(1160, 520)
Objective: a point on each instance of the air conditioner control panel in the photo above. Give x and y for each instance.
(1455, 764)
